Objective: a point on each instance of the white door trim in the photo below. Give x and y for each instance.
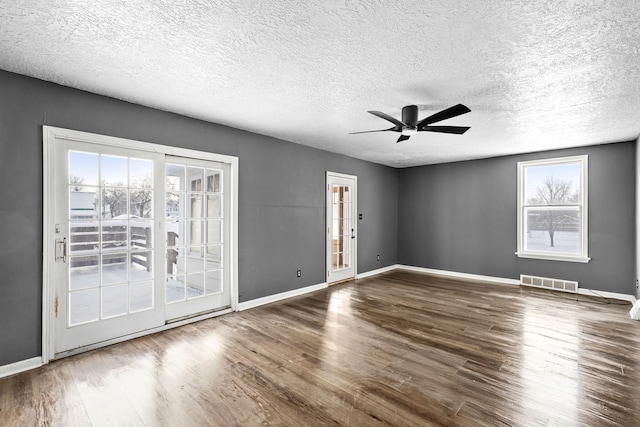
(328, 263)
(50, 134)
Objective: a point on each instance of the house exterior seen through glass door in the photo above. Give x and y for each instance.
(341, 227)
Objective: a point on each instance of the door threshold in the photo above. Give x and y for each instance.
(164, 327)
(350, 279)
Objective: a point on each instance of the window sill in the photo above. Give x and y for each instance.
(548, 257)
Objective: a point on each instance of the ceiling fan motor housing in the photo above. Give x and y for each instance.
(410, 115)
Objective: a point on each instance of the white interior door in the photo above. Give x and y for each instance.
(108, 261)
(341, 227)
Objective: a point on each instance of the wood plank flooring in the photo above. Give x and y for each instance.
(400, 349)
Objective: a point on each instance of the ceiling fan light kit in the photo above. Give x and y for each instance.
(410, 124)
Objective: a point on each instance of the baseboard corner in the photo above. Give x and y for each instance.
(634, 313)
(377, 271)
(21, 366)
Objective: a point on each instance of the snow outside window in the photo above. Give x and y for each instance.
(552, 209)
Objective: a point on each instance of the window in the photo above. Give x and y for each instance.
(552, 209)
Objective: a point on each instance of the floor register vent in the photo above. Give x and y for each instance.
(547, 283)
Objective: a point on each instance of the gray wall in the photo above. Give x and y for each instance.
(281, 198)
(637, 181)
(462, 217)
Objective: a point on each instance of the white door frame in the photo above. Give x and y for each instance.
(328, 215)
(50, 134)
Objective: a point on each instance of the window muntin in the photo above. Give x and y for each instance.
(552, 209)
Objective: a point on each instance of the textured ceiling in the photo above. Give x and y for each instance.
(537, 75)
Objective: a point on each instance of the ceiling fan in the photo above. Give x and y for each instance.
(410, 124)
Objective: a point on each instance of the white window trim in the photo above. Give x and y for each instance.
(521, 252)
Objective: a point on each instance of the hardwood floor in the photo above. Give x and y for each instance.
(400, 349)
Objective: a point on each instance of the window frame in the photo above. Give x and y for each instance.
(582, 257)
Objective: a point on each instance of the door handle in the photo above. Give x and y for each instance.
(61, 250)
(353, 234)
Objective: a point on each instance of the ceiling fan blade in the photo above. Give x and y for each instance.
(402, 138)
(369, 131)
(450, 112)
(458, 130)
(387, 117)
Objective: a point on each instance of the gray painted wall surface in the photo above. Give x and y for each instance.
(281, 198)
(462, 217)
(637, 181)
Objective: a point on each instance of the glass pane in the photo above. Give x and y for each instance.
(114, 268)
(83, 237)
(195, 285)
(214, 206)
(83, 168)
(174, 205)
(345, 210)
(114, 235)
(336, 260)
(141, 202)
(213, 280)
(141, 173)
(174, 231)
(346, 260)
(196, 178)
(195, 259)
(140, 296)
(84, 272)
(83, 203)
(175, 289)
(84, 306)
(552, 184)
(346, 227)
(346, 193)
(195, 206)
(140, 266)
(141, 234)
(115, 300)
(214, 179)
(174, 177)
(555, 230)
(195, 232)
(114, 171)
(176, 261)
(214, 257)
(114, 203)
(214, 231)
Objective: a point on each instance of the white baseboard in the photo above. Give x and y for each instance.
(605, 294)
(502, 280)
(17, 367)
(278, 297)
(377, 271)
(456, 275)
(634, 313)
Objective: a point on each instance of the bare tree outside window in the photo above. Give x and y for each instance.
(554, 192)
(76, 182)
(114, 201)
(141, 198)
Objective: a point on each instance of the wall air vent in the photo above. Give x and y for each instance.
(547, 283)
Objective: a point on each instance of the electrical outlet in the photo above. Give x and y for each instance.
(378, 257)
(299, 273)
(637, 284)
